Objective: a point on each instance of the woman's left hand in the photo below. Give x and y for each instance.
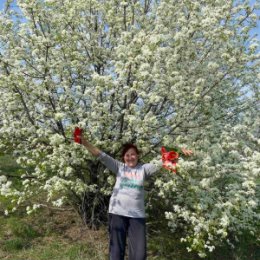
(187, 152)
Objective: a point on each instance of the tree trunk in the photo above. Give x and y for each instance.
(93, 209)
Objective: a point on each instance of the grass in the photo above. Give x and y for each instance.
(17, 235)
(50, 235)
(57, 249)
(22, 229)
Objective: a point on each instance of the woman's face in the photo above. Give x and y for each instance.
(131, 158)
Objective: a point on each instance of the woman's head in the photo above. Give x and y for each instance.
(130, 154)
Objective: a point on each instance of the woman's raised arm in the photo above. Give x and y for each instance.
(79, 138)
(90, 147)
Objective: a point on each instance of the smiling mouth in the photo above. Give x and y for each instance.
(131, 162)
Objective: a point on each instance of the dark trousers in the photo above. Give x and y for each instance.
(119, 228)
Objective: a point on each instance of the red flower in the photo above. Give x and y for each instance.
(168, 165)
(169, 156)
(77, 134)
(169, 159)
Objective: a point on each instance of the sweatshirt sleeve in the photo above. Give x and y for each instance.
(151, 168)
(109, 162)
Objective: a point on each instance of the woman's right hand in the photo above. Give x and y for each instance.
(79, 138)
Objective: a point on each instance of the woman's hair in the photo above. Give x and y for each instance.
(126, 147)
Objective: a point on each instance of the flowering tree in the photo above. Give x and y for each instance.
(150, 72)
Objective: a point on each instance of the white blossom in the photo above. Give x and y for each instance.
(3, 179)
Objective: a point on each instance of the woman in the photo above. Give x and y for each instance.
(126, 207)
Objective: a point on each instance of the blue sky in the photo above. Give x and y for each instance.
(1, 4)
(255, 31)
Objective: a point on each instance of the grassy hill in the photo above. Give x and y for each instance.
(50, 235)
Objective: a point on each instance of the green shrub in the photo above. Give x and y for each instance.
(8, 164)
